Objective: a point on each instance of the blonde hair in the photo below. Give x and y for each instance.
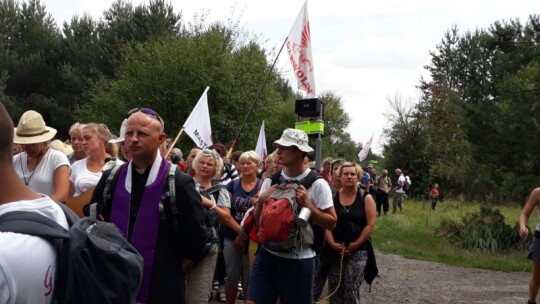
(76, 127)
(218, 161)
(271, 157)
(250, 155)
(357, 168)
(101, 130)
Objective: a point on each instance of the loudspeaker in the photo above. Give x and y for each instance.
(308, 107)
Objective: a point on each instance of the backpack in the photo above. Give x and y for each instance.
(278, 230)
(211, 215)
(407, 183)
(95, 263)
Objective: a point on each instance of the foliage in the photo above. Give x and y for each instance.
(413, 234)
(146, 55)
(483, 231)
(476, 120)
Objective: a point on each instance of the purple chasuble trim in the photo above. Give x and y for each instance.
(145, 232)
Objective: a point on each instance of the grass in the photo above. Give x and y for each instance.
(411, 234)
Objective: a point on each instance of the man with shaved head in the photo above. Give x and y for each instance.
(168, 241)
(27, 263)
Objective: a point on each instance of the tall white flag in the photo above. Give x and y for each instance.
(261, 144)
(197, 126)
(365, 149)
(299, 49)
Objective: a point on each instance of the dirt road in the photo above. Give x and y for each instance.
(407, 281)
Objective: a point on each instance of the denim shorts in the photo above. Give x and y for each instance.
(289, 279)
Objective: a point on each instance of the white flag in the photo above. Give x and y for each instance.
(197, 126)
(261, 144)
(365, 149)
(299, 49)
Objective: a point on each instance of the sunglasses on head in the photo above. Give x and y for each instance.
(211, 153)
(146, 111)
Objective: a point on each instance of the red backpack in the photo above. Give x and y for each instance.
(278, 230)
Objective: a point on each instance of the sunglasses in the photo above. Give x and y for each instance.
(146, 111)
(210, 153)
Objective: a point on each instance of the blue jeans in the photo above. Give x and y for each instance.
(289, 279)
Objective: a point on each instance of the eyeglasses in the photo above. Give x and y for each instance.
(146, 111)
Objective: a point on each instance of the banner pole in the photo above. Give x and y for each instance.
(261, 87)
(174, 142)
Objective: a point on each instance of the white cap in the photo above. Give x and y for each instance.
(122, 133)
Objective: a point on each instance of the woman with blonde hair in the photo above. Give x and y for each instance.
(271, 166)
(215, 198)
(43, 169)
(345, 255)
(85, 173)
(242, 191)
(75, 134)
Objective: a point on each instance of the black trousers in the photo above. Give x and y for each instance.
(381, 199)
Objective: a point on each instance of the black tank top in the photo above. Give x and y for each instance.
(351, 220)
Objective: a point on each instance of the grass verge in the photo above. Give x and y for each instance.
(411, 234)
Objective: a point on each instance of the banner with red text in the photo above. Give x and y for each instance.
(299, 51)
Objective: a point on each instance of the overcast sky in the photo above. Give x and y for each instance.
(364, 51)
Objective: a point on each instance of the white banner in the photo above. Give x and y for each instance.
(299, 49)
(261, 144)
(365, 149)
(197, 126)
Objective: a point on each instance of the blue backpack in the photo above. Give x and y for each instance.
(95, 263)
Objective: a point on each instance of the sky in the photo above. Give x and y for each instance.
(363, 51)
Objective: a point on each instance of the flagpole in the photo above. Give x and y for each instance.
(174, 142)
(261, 87)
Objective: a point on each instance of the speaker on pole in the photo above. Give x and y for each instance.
(308, 107)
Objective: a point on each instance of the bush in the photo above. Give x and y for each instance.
(483, 231)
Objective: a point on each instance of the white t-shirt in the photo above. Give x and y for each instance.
(40, 180)
(401, 181)
(28, 263)
(319, 194)
(84, 179)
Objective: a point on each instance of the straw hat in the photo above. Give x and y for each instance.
(32, 129)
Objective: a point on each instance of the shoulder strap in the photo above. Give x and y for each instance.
(335, 199)
(32, 223)
(169, 193)
(275, 177)
(107, 190)
(310, 179)
(214, 190)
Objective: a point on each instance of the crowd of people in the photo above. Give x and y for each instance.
(214, 240)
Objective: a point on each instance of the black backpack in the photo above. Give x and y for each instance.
(96, 264)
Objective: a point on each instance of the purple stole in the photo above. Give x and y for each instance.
(145, 232)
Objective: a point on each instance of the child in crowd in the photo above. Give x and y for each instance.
(434, 194)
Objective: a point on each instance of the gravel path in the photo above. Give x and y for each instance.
(412, 281)
(407, 281)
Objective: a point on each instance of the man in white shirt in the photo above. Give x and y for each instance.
(289, 276)
(27, 263)
(399, 192)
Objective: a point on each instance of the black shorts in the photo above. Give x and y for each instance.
(534, 250)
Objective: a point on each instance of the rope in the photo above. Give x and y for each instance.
(339, 281)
